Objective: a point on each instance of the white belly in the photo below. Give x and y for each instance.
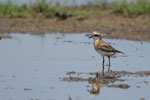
(103, 53)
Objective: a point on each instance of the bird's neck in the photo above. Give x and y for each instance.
(97, 39)
(97, 42)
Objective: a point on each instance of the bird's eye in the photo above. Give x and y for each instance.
(95, 35)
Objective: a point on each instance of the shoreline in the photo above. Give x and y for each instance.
(116, 26)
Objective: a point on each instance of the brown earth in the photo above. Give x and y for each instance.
(135, 27)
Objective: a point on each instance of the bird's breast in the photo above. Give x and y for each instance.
(97, 43)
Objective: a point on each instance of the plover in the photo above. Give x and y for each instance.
(103, 48)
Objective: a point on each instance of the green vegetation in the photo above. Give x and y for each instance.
(126, 8)
(46, 9)
(41, 6)
(50, 10)
(80, 14)
(13, 11)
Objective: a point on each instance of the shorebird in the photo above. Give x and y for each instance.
(103, 48)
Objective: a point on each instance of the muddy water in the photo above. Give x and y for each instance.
(33, 67)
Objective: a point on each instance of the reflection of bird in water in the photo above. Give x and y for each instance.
(103, 48)
(96, 86)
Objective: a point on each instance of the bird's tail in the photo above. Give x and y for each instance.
(119, 51)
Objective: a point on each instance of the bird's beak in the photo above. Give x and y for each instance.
(91, 36)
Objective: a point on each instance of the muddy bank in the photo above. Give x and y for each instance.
(104, 20)
(5, 36)
(113, 73)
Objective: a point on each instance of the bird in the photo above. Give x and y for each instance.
(103, 48)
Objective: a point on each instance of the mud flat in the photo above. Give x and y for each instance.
(136, 27)
(110, 77)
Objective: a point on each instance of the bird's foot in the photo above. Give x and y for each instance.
(109, 71)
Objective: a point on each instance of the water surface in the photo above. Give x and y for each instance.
(64, 2)
(33, 66)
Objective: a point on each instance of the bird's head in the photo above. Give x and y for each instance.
(96, 35)
(95, 91)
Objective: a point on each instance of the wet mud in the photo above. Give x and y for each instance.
(5, 36)
(108, 79)
(105, 21)
(113, 74)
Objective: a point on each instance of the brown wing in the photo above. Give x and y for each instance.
(108, 48)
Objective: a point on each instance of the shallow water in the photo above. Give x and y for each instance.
(33, 66)
(64, 2)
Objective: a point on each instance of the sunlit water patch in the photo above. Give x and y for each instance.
(33, 67)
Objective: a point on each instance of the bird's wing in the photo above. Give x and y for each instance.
(108, 48)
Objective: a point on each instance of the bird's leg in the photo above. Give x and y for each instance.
(103, 66)
(109, 63)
